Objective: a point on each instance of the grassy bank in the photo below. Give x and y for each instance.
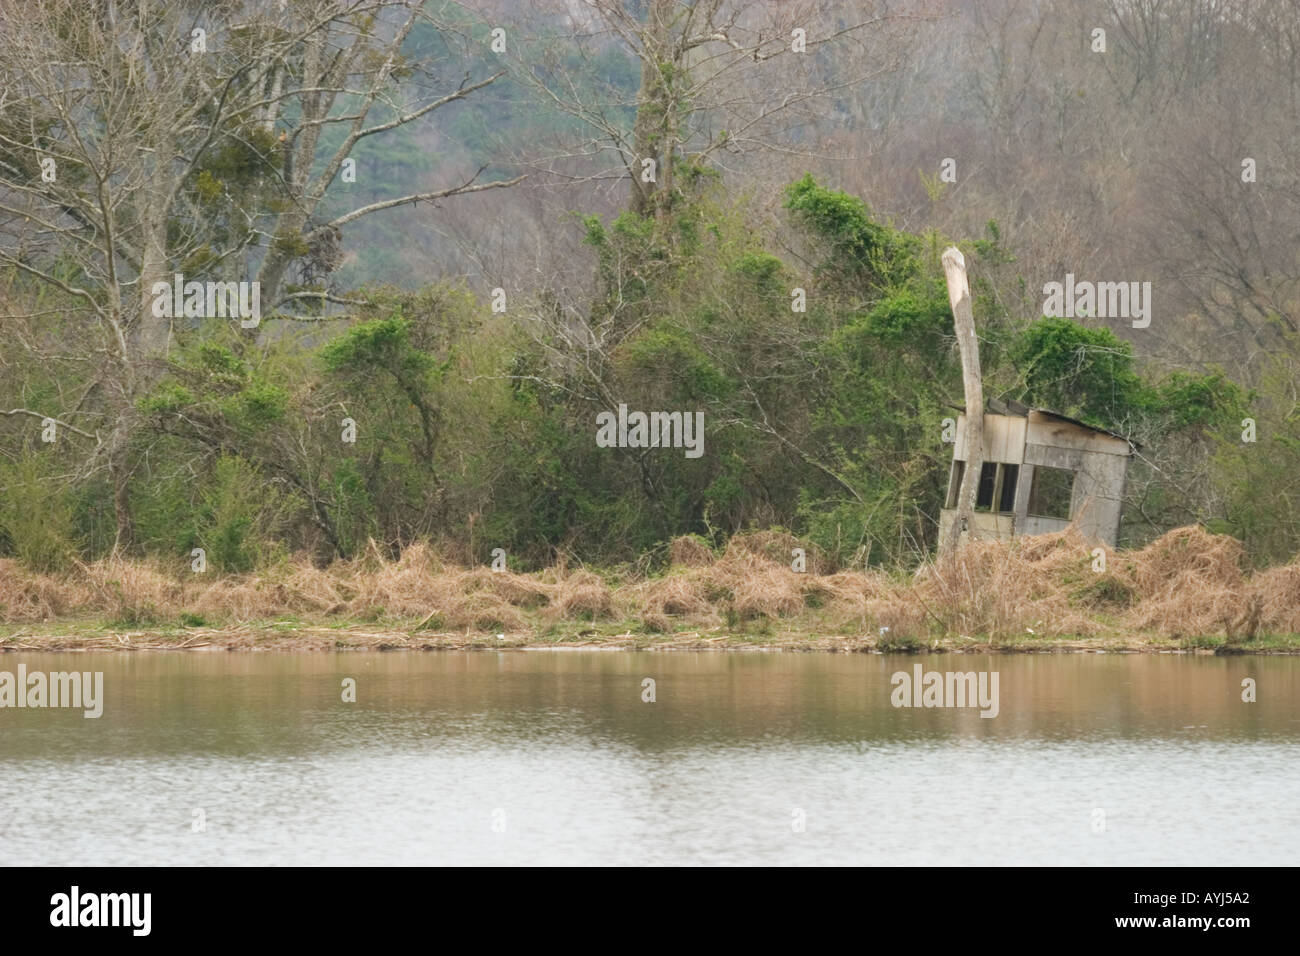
(1186, 591)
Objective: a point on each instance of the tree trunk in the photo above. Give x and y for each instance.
(276, 263)
(954, 270)
(143, 361)
(119, 474)
(649, 131)
(151, 336)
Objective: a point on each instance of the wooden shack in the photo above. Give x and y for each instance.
(1041, 471)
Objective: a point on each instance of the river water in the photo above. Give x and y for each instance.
(742, 758)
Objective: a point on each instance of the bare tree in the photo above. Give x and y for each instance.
(718, 78)
(140, 138)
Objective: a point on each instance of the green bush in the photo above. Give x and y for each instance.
(37, 515)
(238, 517)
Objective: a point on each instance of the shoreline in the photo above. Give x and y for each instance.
(1185, 592)
(304, 637)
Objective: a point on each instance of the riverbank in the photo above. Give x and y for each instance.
(296, 637)
(1186, 591)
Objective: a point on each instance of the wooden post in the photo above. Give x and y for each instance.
(954, 270)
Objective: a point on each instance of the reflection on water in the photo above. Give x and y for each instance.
(523, 757)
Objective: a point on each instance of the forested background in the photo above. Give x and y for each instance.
(776, 169)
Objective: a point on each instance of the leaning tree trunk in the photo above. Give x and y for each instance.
(954, 270)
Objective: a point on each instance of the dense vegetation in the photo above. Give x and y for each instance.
(813, 332)
(826, 421)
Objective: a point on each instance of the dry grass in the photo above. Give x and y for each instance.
(1188, 583)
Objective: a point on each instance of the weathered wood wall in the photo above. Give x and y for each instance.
(1099, 462)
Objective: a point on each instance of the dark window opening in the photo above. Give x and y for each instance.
(1050, 491)
(1007, 499)
(997, 484)
(988, 479)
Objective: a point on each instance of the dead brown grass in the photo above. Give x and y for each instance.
(1187, 583)
(1279, 593)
